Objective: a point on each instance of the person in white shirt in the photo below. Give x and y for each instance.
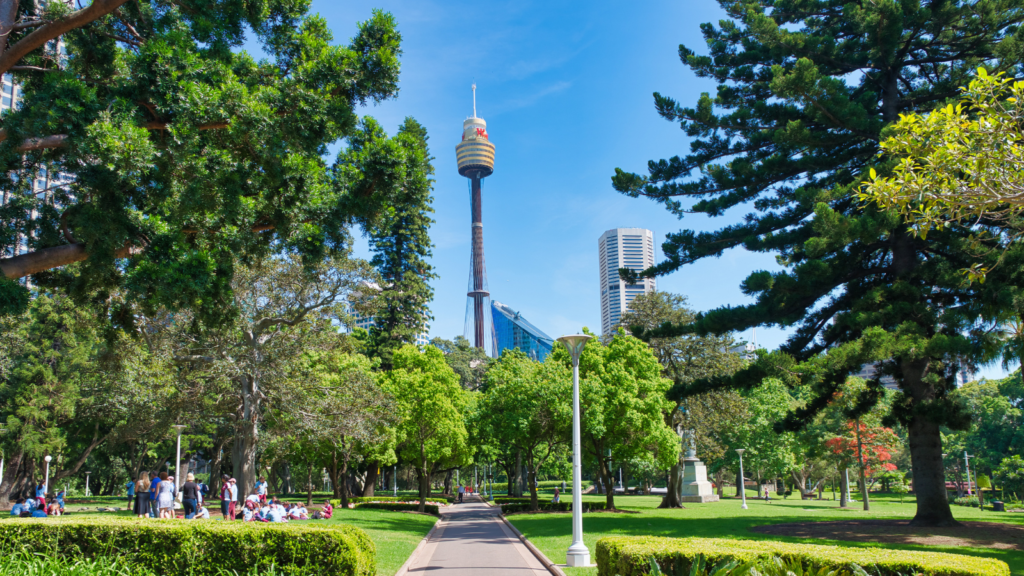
(234, 490)
(277, 513)
(203, 513)
(261, 489)
(254, 498)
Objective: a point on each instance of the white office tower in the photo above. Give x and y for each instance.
(631, 248)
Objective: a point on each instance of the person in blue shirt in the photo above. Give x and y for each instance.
(40, 490)
(30, 505)
(154, 488)
(39, 513)
(60, 500)
(19, 507)
(131, 492)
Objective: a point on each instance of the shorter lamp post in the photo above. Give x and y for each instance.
(743, 480)
(967, 468)
(177, 460)
(394, 479)
(87, 473)
(46, 484)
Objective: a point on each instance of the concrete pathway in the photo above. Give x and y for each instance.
(472, 540)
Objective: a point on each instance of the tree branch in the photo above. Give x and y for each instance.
(48, 258)
(51, 30)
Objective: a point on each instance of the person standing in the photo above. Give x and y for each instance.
(261, 489)
(154, 489)
(142, 495)
(190, 496)
(557, 494)
(225, 497)
(234, 497)
(130, 487)
(40, 491)
(166, 496)
(462, 492)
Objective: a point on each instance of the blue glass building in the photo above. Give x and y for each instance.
(513, 331)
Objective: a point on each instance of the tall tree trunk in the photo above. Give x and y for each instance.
(332, 471)
(343, 476)
(860, 460)
(674, 494)
(720, 482)
(519, 474)
(309, 486)
(424, 477)
(606, 476)
(371, 478)
(243, 452)
(531, 479)
(926, 451)
(844, 488)
(13, 468)
(216, 465)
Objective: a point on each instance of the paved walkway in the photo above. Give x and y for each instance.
(473, 540)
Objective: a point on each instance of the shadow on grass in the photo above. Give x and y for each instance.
(599, 525)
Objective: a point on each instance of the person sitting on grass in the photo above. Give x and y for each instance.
(53, 508)
(277, 512)
(326, 510)
(203, 513)
(249, 511)
(39, 512)
(19, 507)
(254, 498)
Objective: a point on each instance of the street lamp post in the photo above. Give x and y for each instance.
(87, 473)
(177, 460)
(46, 484)
(578, 554)
(967, 468)
(394, 479)
(743, 479)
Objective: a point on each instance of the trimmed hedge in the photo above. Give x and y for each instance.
(400, 507)
(547, 505)
(198, 547)
(630, 556)
(510, 500)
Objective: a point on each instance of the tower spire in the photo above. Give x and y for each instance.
(474, 99)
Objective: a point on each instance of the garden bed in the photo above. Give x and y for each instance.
(971, 534)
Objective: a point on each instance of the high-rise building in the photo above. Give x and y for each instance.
(631, 248)
(475, 157)
(511, 330)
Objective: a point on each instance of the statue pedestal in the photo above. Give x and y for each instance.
(696, 487)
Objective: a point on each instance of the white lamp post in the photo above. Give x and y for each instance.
(46, 485)
(177, 460)
(743, 480)
(578, 554)
(87, 483)
(394, 479)
(967, 468)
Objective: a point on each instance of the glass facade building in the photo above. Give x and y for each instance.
(511, 330)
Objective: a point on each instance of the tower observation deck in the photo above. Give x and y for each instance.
(475, 156)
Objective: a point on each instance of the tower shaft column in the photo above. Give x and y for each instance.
(478, 266)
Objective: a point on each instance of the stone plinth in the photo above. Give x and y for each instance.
(696, 487)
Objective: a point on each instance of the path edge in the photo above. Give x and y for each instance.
(555, 570)
(404, 570)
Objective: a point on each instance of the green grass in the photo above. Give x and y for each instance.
(552, 533)
(396, 535)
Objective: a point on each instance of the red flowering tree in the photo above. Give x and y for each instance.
(869, 447)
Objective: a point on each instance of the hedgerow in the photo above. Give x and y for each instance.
(400, 507)
(198, 547)
(510, 500)
(631, 555)
(510, 507)
(363, 499)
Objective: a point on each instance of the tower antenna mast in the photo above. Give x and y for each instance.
(474, 100)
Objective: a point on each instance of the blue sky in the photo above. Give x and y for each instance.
(566, 89)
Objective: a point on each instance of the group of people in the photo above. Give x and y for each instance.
(155, 494)
(42, 505)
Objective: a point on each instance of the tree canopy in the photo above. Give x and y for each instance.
(185, 156)
(804, 92)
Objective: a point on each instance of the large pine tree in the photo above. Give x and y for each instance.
(806, 88)
(401, 246)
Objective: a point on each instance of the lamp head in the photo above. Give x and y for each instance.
(740, 451)
(47, 458)
(574, 344)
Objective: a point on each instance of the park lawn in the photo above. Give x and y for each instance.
(395, 534)
(552, 533)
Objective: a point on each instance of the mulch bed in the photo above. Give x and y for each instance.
(971, 534)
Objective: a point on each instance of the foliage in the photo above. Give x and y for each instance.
(514, 507)
(623, 405)
(1010, 474)
(958, 163)
(876, 447)
(528, 407)
(400, 506)
(400, 240)
(185, 154)
(630, 556)
(805, 90)
(970, 501)
(22, 563)
(431, 407)
(365, 499)
(203, 548)
(768, 452)
(468, 361)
